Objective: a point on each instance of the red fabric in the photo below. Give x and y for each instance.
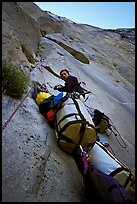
(51, 115)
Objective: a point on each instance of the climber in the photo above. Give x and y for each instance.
(71, 84)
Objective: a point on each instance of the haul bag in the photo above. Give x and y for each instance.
(103, 187)
(74, 126)
(103, 160)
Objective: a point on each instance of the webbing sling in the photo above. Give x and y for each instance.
(78, 109)
(67, 116)
(83, 126)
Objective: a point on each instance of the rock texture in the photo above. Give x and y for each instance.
(34, 169)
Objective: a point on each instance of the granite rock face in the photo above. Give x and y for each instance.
(34, 168)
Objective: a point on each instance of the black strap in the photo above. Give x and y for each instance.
(116, 171)
(81, 132)
(67, 116)
(128, 179)
(78, 109)
(67, 139)
(83, 123)
(70, 123)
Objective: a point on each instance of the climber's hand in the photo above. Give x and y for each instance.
(56, 87)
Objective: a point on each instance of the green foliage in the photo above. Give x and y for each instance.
(14, 81)
(27, 54)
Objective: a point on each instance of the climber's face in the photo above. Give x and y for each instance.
(64, 75)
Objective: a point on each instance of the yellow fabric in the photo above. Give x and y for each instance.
(41, 96)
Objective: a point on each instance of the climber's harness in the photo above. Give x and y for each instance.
(77, 95)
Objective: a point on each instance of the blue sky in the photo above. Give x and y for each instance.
(106, 15)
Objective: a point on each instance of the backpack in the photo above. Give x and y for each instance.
(41, 96)
(51, 115)
(74, 126)
(103, 187)
(49, 106)
(101, 121)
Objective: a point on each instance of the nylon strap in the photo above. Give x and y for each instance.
(82, 128)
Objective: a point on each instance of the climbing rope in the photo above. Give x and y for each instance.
(111, 150)
(118, 134)
(40, 69)
(19, 105)
(90, 110)
(116, 158)
(44, 83)
(9, 119)
(50, 85)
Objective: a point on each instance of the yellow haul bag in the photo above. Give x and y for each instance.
(74, 126)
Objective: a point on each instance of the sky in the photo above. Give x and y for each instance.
(106, 15)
